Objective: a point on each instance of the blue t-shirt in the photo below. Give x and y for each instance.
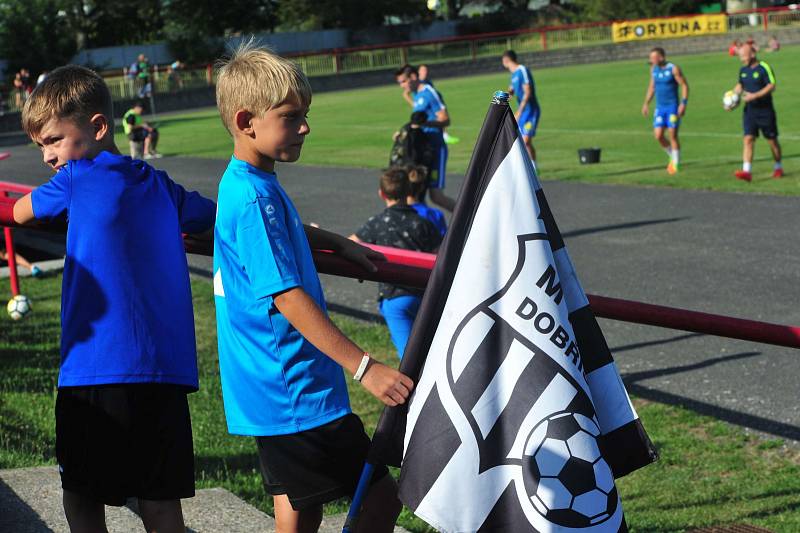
(274, 381)
(433, 215)
(126, 303)
(519, 79)
(666, 87)
(427, 99)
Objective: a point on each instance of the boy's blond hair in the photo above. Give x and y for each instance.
(69, 92)
(256, 79)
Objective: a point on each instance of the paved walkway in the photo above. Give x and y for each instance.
(30, 502)
(724, 253)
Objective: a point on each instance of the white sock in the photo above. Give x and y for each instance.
(747, 166)
(676, 157)
(445, 135)
(778, 165)
(669, 152)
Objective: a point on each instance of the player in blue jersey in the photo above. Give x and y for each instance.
(756, 84)
(524, 88)
(665, 78)
(128, 355)
(424, 76)
(427, 99)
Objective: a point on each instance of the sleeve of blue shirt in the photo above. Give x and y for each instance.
(196, 213)
(51, 200)
(265, 249)
(434, 104)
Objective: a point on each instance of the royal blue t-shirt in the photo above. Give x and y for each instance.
(126, 303)
(274, 381)
(427, 99)
(519, 79)
(433, 215)
(666, 86)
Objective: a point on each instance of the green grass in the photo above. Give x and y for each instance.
(582, 106)
(709, 473)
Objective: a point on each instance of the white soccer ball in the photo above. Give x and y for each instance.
(18, 307)
(730, 100)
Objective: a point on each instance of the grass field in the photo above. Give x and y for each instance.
(709, 473)
(582, 106)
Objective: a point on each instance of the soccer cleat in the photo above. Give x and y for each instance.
(36, 272)
(450, 139)
(672, 168)
(744, 176)
(778, 173)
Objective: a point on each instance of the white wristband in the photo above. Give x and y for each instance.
(362, 367)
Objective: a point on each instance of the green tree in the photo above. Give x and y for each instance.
(195, 29)
(632, 9)
(114, 22)
(351, 14)
(35, 34)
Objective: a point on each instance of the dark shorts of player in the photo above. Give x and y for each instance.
(119, 441)
(318, 465)
(529, 121)
(140, 134)
(436, 176)
(764, 120)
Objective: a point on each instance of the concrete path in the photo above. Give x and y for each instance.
(30, 502)
(723, 253)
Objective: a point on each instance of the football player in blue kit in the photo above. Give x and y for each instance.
(524, 88)
(665, 78)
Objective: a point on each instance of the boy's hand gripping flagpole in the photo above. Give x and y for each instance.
(499, 98)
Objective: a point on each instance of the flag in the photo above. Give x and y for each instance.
(519, 420)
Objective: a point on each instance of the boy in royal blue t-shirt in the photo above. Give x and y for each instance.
(128, 354)
(280, 356)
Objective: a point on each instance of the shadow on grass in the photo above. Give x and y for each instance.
(19, 437)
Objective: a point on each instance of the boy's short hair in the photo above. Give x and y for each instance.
(660, 51)
(406, 70)
(69, 92)
(511, 54)
(256, 79)
(419, 118)
(417, 179)
(394, 183)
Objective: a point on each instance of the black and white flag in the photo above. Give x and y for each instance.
(519, 420)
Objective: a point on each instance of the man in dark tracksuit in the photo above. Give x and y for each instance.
(756, 84)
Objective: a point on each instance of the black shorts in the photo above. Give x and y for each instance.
(765, 120)
(120, 441)
(316, 466)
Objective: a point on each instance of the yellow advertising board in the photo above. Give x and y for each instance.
(669, 27)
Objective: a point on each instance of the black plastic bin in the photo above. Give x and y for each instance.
(588, 156)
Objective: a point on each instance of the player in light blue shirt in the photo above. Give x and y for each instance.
(280, 355)
(665, 78)
(528, 110)
(424, 97)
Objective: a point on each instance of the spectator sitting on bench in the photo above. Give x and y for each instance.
(143, 138)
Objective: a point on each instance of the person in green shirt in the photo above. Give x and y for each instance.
(140, 133)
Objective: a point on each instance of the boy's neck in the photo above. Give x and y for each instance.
(391, 203)
(250, 155)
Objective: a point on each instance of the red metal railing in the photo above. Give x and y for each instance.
(413, 268)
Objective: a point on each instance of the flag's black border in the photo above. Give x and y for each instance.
(496, 139)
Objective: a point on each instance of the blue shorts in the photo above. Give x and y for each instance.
(528, 121)
(399, 313)
(439, 163)
(666, 117)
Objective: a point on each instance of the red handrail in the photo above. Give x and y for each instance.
(404, 267)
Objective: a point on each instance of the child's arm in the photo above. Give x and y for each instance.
(23, 210)
(387, 384)
(320, 239)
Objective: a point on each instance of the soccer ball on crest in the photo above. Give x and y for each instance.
(730, 100)
(565, 475)
(18, 307)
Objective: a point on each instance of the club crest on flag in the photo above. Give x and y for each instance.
(515, 371)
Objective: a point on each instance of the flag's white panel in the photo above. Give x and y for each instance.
(468, 340)
(614, 408)
(496, 396)
(573, 292)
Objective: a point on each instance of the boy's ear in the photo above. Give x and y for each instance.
(243, 119)
(99, 125)
(382, 194)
